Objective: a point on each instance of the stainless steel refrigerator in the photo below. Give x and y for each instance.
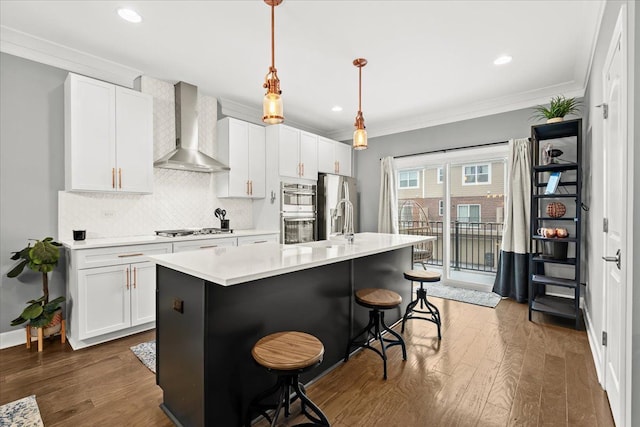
(331, 189)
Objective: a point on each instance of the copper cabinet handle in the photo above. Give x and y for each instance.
(135, 277)
(120, 178)
(129, 255)
(126, 273)
(260, 241)
(302, 169)
(338, 163)
(247, 187)
(251, 187)
(209, 246)
(113, 177)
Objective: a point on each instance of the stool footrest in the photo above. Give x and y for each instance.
(432, 310)
(373, 332)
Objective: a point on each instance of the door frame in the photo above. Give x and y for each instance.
(621, 33)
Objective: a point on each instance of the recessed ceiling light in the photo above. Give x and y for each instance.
(336, 108)
(129, 15)
(504, 59)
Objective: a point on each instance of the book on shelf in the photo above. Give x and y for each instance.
(552, 184)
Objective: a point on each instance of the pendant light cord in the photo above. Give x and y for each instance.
(273, 44)
(359, 88)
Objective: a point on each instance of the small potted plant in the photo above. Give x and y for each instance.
(559, 106)
(42, 257)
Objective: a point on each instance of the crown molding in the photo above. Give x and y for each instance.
(466, 112)
(30, 47)
(253, 115)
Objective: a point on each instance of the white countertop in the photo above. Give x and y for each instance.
(228, 266)
(143, 240)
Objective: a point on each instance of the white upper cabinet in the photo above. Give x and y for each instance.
(241, 146)
(334, 157)
(108, 137)
(297, 152)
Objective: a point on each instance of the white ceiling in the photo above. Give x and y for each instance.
(430, 62)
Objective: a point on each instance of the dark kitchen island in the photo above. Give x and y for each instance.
(213, 305)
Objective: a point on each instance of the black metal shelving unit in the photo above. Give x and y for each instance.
(550, 269)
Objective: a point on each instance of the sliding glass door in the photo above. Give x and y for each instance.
(458, 197)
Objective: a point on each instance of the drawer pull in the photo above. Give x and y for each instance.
(135, 277)
(126, 273)
(260, 241)
(129, 255)
(210, 246)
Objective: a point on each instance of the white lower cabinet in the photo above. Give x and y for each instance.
(111, 292)
(116, 297)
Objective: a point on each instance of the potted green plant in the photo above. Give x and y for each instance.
(42, 257)
(559, 106)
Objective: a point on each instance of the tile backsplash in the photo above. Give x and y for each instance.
(180, 199)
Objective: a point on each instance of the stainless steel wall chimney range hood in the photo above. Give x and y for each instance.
(186, 156)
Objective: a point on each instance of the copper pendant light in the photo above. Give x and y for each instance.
(360, 134)
(272, 111)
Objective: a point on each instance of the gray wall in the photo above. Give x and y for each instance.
(494, 128)
(31, 173)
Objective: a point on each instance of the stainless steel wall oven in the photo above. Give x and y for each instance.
(298, 220)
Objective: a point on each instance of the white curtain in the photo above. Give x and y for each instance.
(388, 206)
(512, 277)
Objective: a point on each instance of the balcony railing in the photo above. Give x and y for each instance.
(474, 245)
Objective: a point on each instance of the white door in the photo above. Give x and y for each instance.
(143, 292)
(615, 211)
(343, 158)
(257, 152)
(326, 156)
(90, 134)
(238, 154)
(288, 155)
(104, 301)
(309, 155)
(134, 141)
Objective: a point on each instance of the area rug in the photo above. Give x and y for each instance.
(486, 299)
(21, 413)
(146, 352)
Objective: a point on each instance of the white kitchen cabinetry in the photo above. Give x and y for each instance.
(297, 152)
(250, 240)
(241, 145)
(194, 245)
(108, 137)
(334, 157)
(111, 292)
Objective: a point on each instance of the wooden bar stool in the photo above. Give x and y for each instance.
(377, 300)
(287, 354)
(421, 298)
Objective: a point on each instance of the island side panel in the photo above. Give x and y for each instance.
(180, 333)
(314, 300)
(384, 270)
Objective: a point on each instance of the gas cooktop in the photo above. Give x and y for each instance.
(190, 232)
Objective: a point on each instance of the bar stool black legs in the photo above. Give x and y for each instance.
(373, 331)
(288, 389)
(287, 354)
(426, 307)
(377, 300)
(432, 310)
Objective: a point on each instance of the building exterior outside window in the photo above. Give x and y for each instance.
(408, 179)
(476, 174)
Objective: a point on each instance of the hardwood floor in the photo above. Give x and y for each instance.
(492, 368)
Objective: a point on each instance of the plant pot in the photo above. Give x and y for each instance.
(555, 120)
(53, 327)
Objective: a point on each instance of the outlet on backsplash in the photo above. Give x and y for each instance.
(108, 213)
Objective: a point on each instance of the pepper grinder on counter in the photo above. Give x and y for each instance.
(220, 214)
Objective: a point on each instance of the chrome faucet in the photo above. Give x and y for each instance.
(347, 226)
